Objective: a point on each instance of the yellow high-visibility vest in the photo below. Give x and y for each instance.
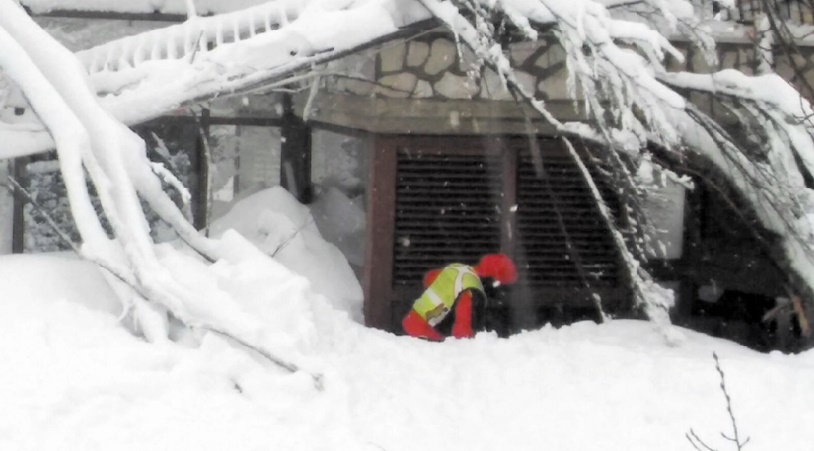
(437, 300)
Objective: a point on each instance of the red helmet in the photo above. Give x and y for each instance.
(497, 266)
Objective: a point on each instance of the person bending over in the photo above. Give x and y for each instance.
(455, 297)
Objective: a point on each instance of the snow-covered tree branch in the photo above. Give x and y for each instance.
(88, 138)
(615, 55)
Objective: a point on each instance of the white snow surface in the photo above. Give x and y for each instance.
(75, 378)
(278, 225)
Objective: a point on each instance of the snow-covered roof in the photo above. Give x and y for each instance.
(204, 7)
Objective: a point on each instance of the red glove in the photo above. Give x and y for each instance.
(415, 326)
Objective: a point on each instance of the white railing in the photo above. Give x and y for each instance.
(197, 35)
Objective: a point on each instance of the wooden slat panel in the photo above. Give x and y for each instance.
(459, 199)
(447, 209)
(558, 224)
(378, 308)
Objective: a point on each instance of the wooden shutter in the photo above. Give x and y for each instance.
(452, 202)
(447, 210)
(558, 225)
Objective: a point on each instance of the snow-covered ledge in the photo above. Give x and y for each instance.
(430, 116)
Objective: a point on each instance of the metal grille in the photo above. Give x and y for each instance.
(559, 225)
(447, 210)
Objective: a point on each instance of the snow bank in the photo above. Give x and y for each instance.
(56, 277)
(343, 222)
(280, 226)
(74, 379)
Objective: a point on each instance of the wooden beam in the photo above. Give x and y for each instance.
(508, 206)
(378, 271)
(155, 16)
(295, 154)
(200, 213)
(432, 116)
(18, 171)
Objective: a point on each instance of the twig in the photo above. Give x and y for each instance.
(15, 186)
(578, 263)
(775, 311)
(207, 154)
(122, 276)
(293, 235)
(802, 320)
(292, 368)
(735, 437)
(196, 47)
(695, 440)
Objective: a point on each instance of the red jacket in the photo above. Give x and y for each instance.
(415, 326)
(497, 266)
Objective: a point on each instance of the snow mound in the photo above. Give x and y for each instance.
(74, 379)
(281, 227)
(343, 222)
(56, 277)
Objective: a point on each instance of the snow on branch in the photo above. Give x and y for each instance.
(144, 76)
(615, 53)
(616, 71)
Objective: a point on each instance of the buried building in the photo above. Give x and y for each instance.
(441, 165)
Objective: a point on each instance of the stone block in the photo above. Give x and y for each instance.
(456, 87)
(520, 53)
(468, 61)
(358, 87)
(392, 57)
(555, 54)
(417, 53)
(403, 82)
(384, 91)
(492, 87)
(423, 89)
(442, 55)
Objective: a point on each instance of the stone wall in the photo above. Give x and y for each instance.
(432, 66)
(429, 85)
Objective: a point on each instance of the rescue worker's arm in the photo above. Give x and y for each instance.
(415, 326)
(462, 328)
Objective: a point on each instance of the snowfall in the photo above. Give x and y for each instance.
(76, 377)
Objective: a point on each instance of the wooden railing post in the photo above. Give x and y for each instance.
(19, 172)
(295, 153)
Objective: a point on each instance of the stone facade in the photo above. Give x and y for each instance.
(433, 66)
(431, 85)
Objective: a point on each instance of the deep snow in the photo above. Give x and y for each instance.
(74, 377)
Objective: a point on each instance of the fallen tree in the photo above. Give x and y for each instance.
(615, 57)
